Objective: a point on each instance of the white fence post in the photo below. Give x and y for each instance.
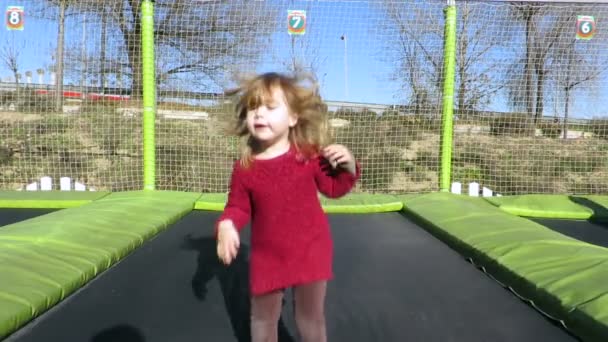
(486, 192)
(474, 189)
(79, 186)
(32, 187)
(46, 183)
(65, 184)
(456, 188)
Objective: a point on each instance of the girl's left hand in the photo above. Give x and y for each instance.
(339, 155)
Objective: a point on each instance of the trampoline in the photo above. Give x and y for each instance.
(394, 282)
(141, 266)
(14, 215)
(402, 273)
(592, 232)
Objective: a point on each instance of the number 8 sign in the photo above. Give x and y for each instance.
(585, 27)
(14, 18)
(296, 22)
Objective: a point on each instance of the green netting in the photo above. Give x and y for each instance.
(44, 259)
(355, 203)
(396, 137)
(48, 199)
(592, 207)
(528, 116)
(561, 276)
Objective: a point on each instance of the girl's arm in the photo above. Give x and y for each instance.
(238, 207)
(334, 183)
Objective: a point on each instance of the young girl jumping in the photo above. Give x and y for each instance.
(285, 162)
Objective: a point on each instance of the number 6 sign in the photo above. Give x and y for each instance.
(14, 18)
(585, 27)
(296, 22)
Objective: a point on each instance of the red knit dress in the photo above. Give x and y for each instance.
(290, 237)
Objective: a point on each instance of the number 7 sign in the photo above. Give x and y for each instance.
(14, 18)
(296, 22)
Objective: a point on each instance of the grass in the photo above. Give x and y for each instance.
(511, 165)
(103, 148)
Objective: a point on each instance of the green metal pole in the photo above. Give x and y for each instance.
(149, 92)
(449, 68)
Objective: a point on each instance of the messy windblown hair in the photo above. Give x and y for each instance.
(308, 136)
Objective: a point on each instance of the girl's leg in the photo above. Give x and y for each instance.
(310, 311)
(265, 314)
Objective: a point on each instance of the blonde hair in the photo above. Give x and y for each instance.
(308, 136)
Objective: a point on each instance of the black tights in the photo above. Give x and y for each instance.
(309, 313)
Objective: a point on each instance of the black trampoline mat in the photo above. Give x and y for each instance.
(14, 215)
(587, 231)
(394, 282)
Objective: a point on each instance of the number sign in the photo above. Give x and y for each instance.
(585, 27)
(296, 22)
(14, 18)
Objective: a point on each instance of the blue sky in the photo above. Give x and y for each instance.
(327, 22)
(39, 39)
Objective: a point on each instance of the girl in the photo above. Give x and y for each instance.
(285, 162)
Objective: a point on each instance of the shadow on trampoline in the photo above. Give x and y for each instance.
(234, 284)
(119, 333)
(600, 213)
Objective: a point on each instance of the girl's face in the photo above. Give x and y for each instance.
(269, 124)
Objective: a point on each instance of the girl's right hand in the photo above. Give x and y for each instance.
(228, 242)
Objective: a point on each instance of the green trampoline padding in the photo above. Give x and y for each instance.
(598, 204)
(542, 206)
(48, 199)
(358, 203)
(598, 199)
(211, 201)
(44, 259)
(563, 277)
(351, 203)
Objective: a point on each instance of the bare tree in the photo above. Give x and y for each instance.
(416, 50)
(477, 82)
(543, 27)
(67, 61)
(303, 56)
(103, 40)
(88, 64)
(546, 43)
(577, 66)
(549, 46)
(421, 83)
(57, 10)
(525, 12)
(76, 59)
(63, 4)
(212, 38)
(419, 51)
(196, 42)
(10, 56)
